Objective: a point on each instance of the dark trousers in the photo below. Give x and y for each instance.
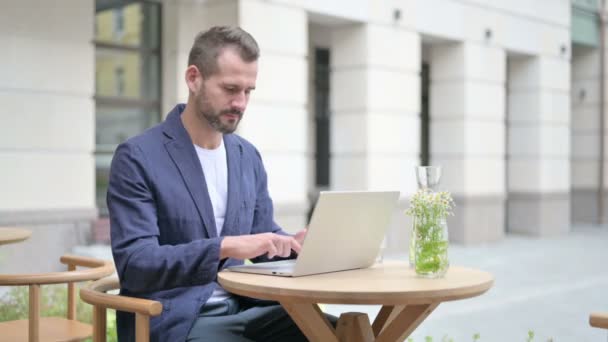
(241, 321)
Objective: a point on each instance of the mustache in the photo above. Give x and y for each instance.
(233, 112)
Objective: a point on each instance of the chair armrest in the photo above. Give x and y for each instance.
(95, 294)
(98, 269)
(599, 320)
(77, 260)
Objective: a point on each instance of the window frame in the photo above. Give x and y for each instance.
(103, 153)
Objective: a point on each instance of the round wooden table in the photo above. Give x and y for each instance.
(406, 299)
(12, 235)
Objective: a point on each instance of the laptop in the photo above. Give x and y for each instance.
(345, 233)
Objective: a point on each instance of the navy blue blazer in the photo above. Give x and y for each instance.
(163, 234)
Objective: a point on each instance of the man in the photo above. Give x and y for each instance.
(188, 198)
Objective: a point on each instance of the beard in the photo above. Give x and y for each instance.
(214, 117)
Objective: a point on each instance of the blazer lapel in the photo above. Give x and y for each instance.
(182, 152)
(234, 155)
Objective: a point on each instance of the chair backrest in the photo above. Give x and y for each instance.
(95, 294)
(96, 269)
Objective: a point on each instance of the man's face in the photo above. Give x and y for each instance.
(223, 96)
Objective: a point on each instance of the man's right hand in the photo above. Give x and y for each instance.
(251, 246)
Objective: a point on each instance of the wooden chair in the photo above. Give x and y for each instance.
(599, 320)
(37, 329)
(95, 294)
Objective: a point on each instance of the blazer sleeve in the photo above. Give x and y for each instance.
(143, 265)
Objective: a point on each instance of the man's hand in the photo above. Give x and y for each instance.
(301, 235)
(251, 246)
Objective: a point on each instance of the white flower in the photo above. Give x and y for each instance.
(431, 204)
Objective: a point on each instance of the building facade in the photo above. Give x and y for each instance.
(351, 95)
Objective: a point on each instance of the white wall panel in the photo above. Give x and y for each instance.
(349, 89)
(534, 175)
(447, 100)
(47, 21)
(355, 10)
(286, 176)
(475, 138)
(394, 133)
(47, 113)
(542, 32)
(349, 133)
(440, 18)
(585, 62)
(585, 119)
(41, 65)
(485, 100)
(395, 49)
(539, 141)
(51, 123)
(282, 79)
(585, 174)
(193, 18)
(586, 147)
(349, 45)
(283, 29)
(539, 105)
(274, 128)
(591, 89)
(389, 90)
(473, 176)
(43, 180)
(549, 73)
(485, 176)
(349, 172)
(382, 12)
(388, 173)
(551, 11)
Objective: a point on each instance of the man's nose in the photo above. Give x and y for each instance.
(239, 101)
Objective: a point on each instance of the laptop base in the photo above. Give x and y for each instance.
(283, 268)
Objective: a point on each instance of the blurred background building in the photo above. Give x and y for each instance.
(506, 95)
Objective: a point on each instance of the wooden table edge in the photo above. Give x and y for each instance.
(384, 298)
(25, 234)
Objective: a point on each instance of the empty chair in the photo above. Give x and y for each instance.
(36, 328)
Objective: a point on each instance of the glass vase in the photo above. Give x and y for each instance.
(428, 178)
(430, 239)
(412, 249)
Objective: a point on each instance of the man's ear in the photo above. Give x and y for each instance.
(194, 79)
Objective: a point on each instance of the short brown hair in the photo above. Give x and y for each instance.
(209, 44)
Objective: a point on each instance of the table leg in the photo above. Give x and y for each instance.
(311, 320)
(385, 316)
(404, 322)
(354, 327)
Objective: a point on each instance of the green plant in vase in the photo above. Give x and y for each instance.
(429, 243)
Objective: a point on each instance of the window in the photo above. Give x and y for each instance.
(119, 21)
(322, 128)
(322, 119)
(128, 81)
(425, 128)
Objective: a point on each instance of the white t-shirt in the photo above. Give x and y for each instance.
(215, 168)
